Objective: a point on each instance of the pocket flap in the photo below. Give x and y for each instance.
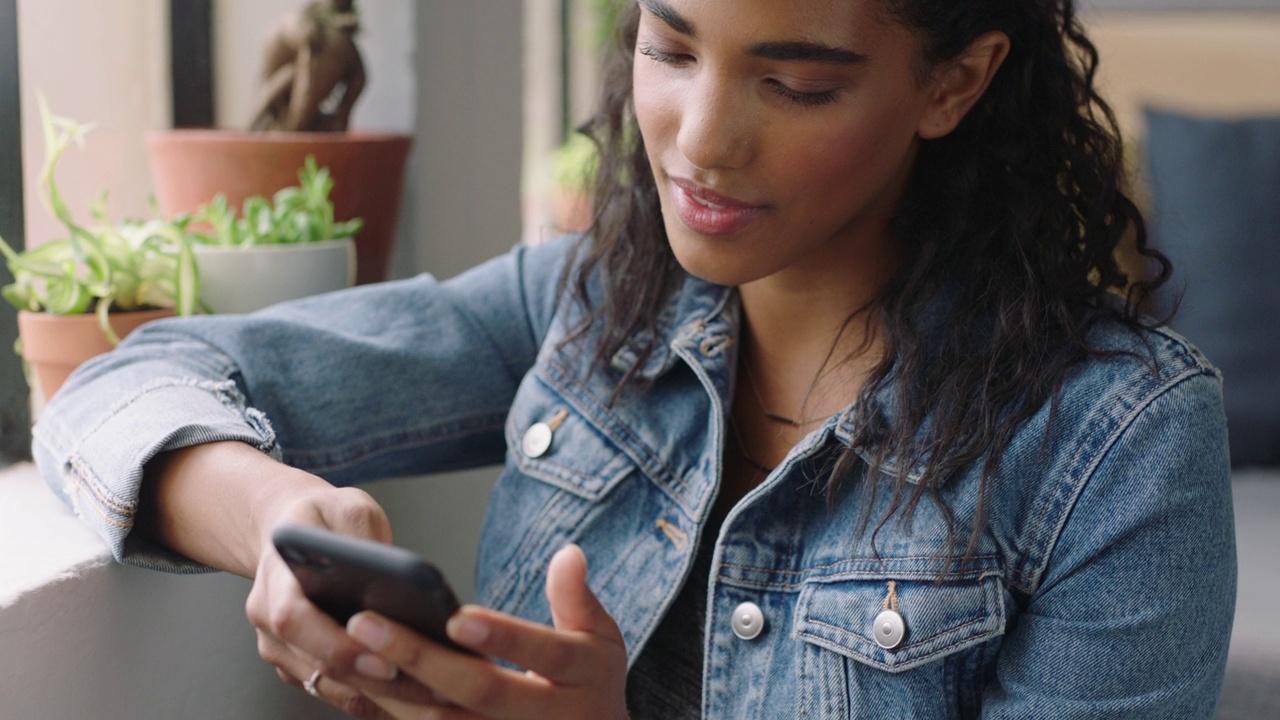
(838, 612)
(571, 453)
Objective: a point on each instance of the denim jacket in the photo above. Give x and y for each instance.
(1102, 586)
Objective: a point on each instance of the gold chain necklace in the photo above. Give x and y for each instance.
(742, 449)
(772, 416)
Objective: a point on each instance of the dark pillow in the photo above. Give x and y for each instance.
(1215, 191)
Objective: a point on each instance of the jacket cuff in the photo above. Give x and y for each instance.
(101, 478)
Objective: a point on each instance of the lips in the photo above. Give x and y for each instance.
(710, 213)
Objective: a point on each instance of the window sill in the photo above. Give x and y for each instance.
(42, 542)
(87, 637)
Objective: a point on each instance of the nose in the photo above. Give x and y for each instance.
(715, 126)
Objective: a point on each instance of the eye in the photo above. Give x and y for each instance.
(662, 56)
(808, 99)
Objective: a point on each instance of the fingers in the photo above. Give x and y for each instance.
(277, 607)
(575, 669)
(463, 679)
(573, 605)
(297, 669)
(396, 708)
(566, 658)
(574, 652)
(298, 638)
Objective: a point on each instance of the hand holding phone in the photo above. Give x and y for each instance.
(343, 575)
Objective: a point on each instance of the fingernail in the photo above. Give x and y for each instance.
(573, 549)
(468, 630)
(368, 631)
(372, 666)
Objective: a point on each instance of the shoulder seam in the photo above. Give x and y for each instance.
(1026, 576)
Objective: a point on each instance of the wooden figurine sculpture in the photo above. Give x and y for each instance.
(313, 73)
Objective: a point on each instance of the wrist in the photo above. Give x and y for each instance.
(300, 498)
(288, 495)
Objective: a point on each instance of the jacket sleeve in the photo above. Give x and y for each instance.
(389, 379)
(1133, 616)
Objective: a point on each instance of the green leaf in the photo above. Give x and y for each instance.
(17, 296)
(104, 321)
(344, 230)
(110, 265)
(186, 279)
(66, 296)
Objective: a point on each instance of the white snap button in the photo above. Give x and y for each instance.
(889, 629)
(747, 621)
(537, 440)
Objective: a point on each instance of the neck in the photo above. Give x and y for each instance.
(805, 355)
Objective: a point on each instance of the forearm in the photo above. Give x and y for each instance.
(216, 503)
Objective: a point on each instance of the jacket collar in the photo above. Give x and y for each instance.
(701, 310)
(697, 309)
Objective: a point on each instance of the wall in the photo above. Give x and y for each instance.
(1207, 62)
(463, 207)
(465, 171)
(116, 78)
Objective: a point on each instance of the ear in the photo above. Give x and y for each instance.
(958, 84)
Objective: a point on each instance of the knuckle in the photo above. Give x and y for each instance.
(254, 608)
(360, 513)
(269, 649)
(281, 620)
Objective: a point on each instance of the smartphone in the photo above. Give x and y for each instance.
(343, 575)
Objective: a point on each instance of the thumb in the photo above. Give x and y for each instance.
(573, 605)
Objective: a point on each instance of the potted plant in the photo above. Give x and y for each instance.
(312, 77)
(573, 171)
(77, 296)
(274, 250)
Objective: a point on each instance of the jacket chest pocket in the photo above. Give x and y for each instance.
(562, 475)
(898, 643)
(551, 441)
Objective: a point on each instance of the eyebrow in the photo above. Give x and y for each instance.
(784, 51)
(668, 15)
(807, 52)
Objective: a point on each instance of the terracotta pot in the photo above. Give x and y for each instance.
(244, 279)
(55, 345)
(571, 210)
(190, 167)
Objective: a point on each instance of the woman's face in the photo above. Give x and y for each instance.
(781, 132)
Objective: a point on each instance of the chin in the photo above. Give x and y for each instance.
(714, 260)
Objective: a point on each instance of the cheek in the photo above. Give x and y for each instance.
(862, 154)
(653, 106)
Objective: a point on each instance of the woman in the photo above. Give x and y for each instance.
(844, 395)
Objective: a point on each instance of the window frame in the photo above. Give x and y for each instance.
(15, 409)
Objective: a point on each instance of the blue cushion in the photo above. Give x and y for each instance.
(1215, 185)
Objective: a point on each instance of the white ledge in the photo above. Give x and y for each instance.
(41, 542)
(87, 637)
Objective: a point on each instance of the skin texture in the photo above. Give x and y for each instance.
(810, 157)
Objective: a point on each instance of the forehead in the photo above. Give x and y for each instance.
(827, 21)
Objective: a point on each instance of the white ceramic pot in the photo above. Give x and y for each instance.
(244, 279)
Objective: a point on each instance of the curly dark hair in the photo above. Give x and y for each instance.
(1016, 220)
